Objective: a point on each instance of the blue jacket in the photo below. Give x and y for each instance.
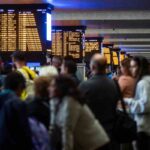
(14, 127)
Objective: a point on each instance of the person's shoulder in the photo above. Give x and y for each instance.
(71, 103)
(126, 78)
(144, 81)
(15, 103)
(123, 78)
(85, 84)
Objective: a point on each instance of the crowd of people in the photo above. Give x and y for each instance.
(54, 110)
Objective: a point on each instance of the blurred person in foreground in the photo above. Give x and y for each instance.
(102, 96)
(57, 62)
(140, 105)
(127, 85)
(19, 59)
(79, 128)
(69, 68)
(5, 68)
(48, 71)
(39, 107)
(14, 127)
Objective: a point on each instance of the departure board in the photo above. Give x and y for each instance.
(67, 41)
(92, 44)
(115, 58)
(122, 56)
(24, 27)
(107, 53)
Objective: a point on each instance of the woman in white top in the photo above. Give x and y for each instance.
(79, 128)
(140, 104)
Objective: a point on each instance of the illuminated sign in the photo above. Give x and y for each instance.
(67, 41)
(25, 27)
(122, 56)
(115, 58)
(106, 52)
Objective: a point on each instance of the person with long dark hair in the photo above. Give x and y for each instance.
(140, 104)
(126, 81)
(79, 128)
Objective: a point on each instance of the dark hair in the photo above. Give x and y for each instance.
(58, 58)
(67, 87)
(70, 64)
(126, 64)
(7, 68)
(143, 66)
(14, 80)
(19, 56)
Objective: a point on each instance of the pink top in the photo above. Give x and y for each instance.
(127, 85)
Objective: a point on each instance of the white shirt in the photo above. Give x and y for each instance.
(140, 105)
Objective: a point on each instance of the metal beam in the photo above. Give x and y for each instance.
(127, 40)
(101, 15)
(132, 46)
(118, 31)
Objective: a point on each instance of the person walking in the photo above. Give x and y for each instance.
(79, 130)
(140, 105)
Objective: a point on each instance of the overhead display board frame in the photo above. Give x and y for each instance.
(25, 27)
(68, 41)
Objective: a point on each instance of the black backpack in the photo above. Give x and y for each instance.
(125, 128)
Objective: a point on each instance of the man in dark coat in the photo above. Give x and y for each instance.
(14, 127)
(101, 94)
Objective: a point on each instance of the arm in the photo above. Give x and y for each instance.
(141, 101)
(122, 84)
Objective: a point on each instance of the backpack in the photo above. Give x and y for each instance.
(39, 134)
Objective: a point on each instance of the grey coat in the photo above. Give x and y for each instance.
(80, 129)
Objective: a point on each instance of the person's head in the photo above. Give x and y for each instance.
(57, 61)
(139, 67)
(19, 59)
(68, 66)
(15, 82)
(48, 71)
(125, 66)
(41, 85)
(62, 86)
(98, 64)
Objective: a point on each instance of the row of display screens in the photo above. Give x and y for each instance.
(113, 57)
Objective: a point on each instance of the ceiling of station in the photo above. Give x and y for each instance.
(130, 34)
(90, 4)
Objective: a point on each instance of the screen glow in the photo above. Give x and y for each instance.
(49, 27)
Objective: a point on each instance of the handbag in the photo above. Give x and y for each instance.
(125, 128)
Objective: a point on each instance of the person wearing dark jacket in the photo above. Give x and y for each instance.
(101, 95)
(39, 107)
(14, 127)
(69, 68)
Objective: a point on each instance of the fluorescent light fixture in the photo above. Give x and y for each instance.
(49, 27)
